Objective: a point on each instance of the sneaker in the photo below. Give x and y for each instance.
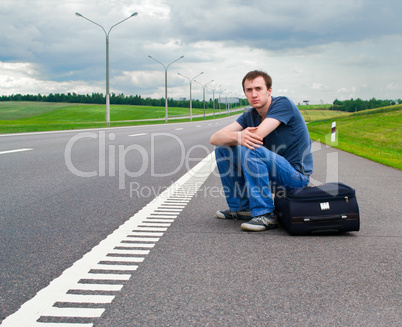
(261, 223)
(237, 215)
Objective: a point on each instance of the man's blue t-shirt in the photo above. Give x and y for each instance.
(290, 139)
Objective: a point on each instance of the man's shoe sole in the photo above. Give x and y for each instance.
(220, 215)
(257, 228)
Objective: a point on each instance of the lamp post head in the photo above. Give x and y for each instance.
(78, 14)
(135, 14)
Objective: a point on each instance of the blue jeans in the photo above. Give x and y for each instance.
(249, 177)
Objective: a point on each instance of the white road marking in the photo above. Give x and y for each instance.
(117, 253)
(122, 259)
(140, 134)
(167, 209)
(156, 224)
(113, 277)
(78, 298)
(14, 151)
(61, 325)
(144, 234)
(140, 252)
(72, 312)
(116, 267)
(98, 287)
(129, 240)
(179, 129)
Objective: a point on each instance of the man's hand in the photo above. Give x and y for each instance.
(249, 138)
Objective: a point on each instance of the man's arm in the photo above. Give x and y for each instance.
(235, 134)
(267, 126)
(251, 137)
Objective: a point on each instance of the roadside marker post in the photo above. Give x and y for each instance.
(333, 132)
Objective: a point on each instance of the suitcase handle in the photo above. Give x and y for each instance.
(325, 218)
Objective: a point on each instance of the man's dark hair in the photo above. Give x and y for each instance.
(257, 73)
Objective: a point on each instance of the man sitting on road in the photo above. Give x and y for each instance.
(266, 148)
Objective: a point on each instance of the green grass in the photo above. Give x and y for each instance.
(16, 117)
(373, 134)
(317, 114)
(19, 116)
(42, 112)
(10, 110)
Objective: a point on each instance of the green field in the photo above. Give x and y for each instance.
(43, 112)
(22, 116)
(19, 116)
(319, 114)
(373, 134)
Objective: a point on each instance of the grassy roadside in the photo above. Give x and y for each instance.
(18, 117)
(316, 114)
(373, 134)
(43, 112)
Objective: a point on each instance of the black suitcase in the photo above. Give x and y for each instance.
(331, 207)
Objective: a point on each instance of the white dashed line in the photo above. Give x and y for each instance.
(140, 134)
(111, 263)
(14, 151)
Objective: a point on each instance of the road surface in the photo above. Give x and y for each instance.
(142, 200)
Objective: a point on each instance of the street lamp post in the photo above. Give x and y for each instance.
(227, 107)
(191, 105)
(166, 69)
(107, 60)
(203, 92)
(213, 99)
(219, 101)
(219, 104)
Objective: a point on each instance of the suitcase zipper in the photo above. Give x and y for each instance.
(325, 218)
(320, 198)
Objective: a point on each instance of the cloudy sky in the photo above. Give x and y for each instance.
(317, 50)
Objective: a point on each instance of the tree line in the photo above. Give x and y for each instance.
(359, 104)
(99, 98)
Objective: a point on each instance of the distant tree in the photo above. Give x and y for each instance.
(359, 104)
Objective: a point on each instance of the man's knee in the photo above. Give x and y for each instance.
(226, 151)
(260, 153)
(221, 149)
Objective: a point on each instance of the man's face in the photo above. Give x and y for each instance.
(257, 93)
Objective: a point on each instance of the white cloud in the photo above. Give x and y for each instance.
(23, 78)
(312, 52)
(363, 60)
(319, 86)
(394, 87)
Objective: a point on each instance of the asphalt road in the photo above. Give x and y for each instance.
(68, 191)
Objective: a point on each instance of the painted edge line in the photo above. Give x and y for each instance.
(14, 151)
(42, 304)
